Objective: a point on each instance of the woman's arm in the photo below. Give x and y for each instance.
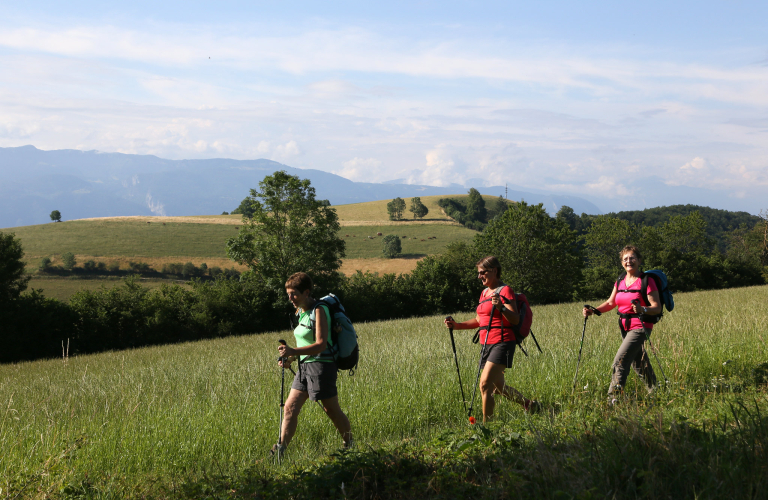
(508, 308)
(466, 325)
(605, 306)
(654, 305)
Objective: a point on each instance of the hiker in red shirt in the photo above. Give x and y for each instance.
(497, 307)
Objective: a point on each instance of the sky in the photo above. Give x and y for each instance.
(604, 100)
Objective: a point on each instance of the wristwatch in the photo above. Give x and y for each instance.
(645, 310)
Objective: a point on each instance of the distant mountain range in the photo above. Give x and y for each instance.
(84, 184)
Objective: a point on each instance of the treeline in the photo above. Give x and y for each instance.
(90, 267)
(547, 258)
(719, 222)
(540, 255)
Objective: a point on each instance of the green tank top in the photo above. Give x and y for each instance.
(305, 335)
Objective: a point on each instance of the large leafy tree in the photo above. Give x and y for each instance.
(395, 208)
(539, 254)
(288, 231)
(476, 206)
(418, 208)
(12, 279)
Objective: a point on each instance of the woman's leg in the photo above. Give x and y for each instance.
(492, 382)
(642, 366)
(293, 404)
(339, 419)
(630, 348)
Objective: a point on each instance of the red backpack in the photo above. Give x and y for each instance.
(523, 327)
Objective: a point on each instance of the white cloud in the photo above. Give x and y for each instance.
(438, 169)
(363, 170)
(285, 152)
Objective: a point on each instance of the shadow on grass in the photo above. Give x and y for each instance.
(624, 456)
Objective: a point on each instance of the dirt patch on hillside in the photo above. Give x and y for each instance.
(203, 219)
(238, 221)
(381, 266)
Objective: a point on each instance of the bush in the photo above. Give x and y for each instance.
(45, 264)
(12, 280)
(114, 267)
(68, 261)
(89, 265)
(189, 270)
(392, 246)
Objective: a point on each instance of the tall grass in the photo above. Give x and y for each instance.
(211, 407)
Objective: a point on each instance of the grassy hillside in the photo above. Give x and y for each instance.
(176, 421)
(159, 240)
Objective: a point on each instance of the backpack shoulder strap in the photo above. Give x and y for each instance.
(644, 288)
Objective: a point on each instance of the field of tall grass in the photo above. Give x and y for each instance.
(190, 419)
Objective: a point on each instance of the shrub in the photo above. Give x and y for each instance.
(45, 264)
(188, 270)
(114, 267)
(89, 265)
(68, 261)
(392, 246)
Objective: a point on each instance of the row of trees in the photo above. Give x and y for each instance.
(471, 211)
(396, 208)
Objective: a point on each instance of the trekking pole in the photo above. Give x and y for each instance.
(480, 364)
(282, 403)
(456, 359)
(583, 332)
(653, 349)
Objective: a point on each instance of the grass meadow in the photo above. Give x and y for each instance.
(195, 420)
(180, 242)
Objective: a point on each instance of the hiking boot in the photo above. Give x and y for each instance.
(532, 406)
(278, 451)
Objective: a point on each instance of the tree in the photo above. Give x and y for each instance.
(418, 209)
(12, 280)
(392, 246)
(539, 254)
(395, 208)
(603, 241)
(476, 206)
(497, 207)
(289, 231)
(68, 260)
(56, 216)
(245, 208)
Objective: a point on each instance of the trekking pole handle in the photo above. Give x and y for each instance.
(593, 309)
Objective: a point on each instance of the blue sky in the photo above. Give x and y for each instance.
(604, 100)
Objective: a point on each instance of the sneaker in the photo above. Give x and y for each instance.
(277, 451)
(532, 406)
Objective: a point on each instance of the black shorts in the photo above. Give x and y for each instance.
(316, 378)
(500, 354)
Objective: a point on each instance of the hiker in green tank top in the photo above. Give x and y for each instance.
(316, 377)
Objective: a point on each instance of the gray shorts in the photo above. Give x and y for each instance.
(316, 378)
(500, 354)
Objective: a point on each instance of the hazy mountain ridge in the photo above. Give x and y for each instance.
(84, 184)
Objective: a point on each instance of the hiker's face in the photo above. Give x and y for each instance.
(297, 298)
(487, 276)
(630, 262)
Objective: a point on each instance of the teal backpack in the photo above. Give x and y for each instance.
(343, 345)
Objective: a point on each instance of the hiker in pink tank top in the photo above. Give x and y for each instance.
(628, 298)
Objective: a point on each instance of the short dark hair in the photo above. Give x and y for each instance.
(630, 248)
(299, 281)
(488, 263)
